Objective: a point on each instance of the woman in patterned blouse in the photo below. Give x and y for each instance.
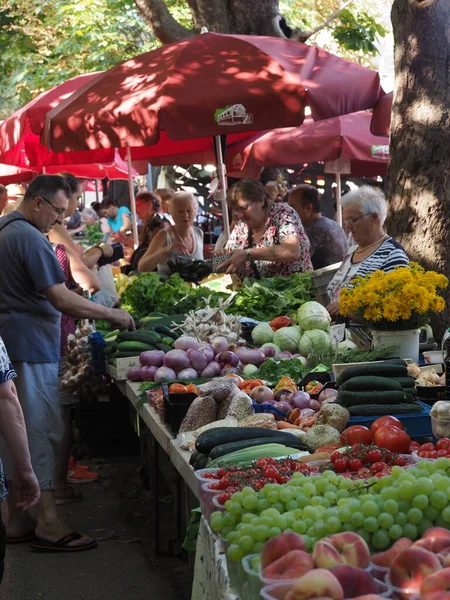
(268, 240)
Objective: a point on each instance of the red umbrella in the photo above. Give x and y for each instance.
(347, 138)
(381, 118)
(9, 174)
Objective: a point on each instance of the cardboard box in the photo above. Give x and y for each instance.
(120, 369)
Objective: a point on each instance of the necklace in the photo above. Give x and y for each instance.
(360, 250)
(186, 240)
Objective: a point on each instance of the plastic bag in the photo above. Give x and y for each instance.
(107, 296)
(187, 440)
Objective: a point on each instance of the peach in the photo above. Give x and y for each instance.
(354, 581)
(279, 546)
(412, 566)
(294, 564)
(315, 584)
(369, 597)
(436, 586)
(433, 544)
(346, 548)
(436, 532)
(384, 559)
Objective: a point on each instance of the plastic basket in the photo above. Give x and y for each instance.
(200, 472)
(279, 591)
(439, 427)
(251, 588)
(268, 409)
(206, 499)
(417, 425)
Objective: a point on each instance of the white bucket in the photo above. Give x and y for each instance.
(407, 342)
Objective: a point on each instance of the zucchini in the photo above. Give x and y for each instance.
(395, 361)
(148, 337)
(406, 382)
(369, 410)
(193, 458)
(378, 369)
(168, 341)
(164, 347)
(166, 332)
(371, 383)
(201, 462)
(246, 457)
(223, 449)
(208, 440)
(349, 398)
(137, 347)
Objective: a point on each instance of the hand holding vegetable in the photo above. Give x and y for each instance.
(236, 262)
(121, 319)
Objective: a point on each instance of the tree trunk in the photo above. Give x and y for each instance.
(418, 186)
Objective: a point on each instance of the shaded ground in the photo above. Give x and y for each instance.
(116, 511)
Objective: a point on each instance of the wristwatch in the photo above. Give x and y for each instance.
(101, 246)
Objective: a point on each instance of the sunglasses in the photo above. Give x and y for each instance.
(59, 212)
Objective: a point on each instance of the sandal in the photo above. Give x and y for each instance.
(62, 545)
(72, 497)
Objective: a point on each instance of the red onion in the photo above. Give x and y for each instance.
(198, 360)
(327, 395)
(284, 355)
(134, 374)
(212, 370)
(251, 357)
(176, 360)
(152, 358)
(148, 373)
(228, 369)
(227, 358)
(185, 342)
(269, 351)
(300, 400)
(285, 407)
(187, 374)
(283, 396)
(207, 351)
(219, 344)
(261, 394)
(314, 405)
(165, 374)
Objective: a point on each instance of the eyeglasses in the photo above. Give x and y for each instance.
(241, 210)
(59, 212)
(352, 220)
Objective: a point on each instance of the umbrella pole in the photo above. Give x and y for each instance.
(338, 199)
(132, 200)
(96, 190)
(221, 174)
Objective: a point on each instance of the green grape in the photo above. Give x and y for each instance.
(389, 493)
(442, 463)
(235, 553)
(290, 519)
(395, 532)
(232, 537)
(334, 525)
(248, 518)
(371, 524)
(370, 509)
(424, 486)
(347, 527)
(286, 494)
(366, 536)
(250, 502)
(445, 515)
(246, 544)
(321, 485)
(308, 523)
(410, 531)
(415, 516)
(391, 507)
(431, 513)
(309, 489)
(298, 513)
(320, 529)
(258, 546)
(396, 471)
(381, 540)
(291, 505)
(301, 500)
(406, 490)
(237, 497)
(316, 501)
(442, 484)
(262, 505)
(310, 512)
(331, 497)
(357, 519)
(437, 477)
(404, 506)
(421, 501)
(280, 522)
(216, 521)
(309, 542)
(274, 531)
(333, 511)
(386, 520)
(342, 493)
(226, 531)
(299, 527)
(401, 518)
(438, 500)
(247, 530)
(229, 519)
(273, 496)
(345, 515)
(423, 526)
(248, 491)
(265, 520)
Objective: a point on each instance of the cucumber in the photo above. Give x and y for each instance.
(166, 332)
(137, 347)
(369, 410)
(406, 382)
(395, 361)
(168, 341)
(246, 457)
(164, 347)
(349, 398)
(201, 461)
(223, 449)
(208, 440)
(193, 457)
(148, 337)
(370, 383)
(111, 335)
(377, 369)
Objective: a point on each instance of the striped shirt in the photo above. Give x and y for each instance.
(385, 258)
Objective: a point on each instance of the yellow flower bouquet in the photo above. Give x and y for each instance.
(400, 300)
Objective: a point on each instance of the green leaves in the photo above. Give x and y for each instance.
(358, 32)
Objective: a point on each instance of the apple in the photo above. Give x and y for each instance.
(384, 559)
(279, 546)
(346, 548)
(436, 586)
(315, 584)
(412, 566)
(355, 581)
(291, 566)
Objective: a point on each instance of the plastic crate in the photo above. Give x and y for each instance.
(417, 425)
(430, 395)
(320, 280)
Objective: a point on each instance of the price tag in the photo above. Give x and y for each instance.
(338, 333)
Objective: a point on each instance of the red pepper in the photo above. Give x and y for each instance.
(280, 322)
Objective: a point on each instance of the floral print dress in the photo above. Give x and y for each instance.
(282, 223)
(7, 373)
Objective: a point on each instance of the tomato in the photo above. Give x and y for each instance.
(377, 467)
(224, 483)
(427, 447)
(399, 461)
(428, 454)
(381, 474)
(392, 438)
(443, 444)
(222, 498)
(177, 388)
(329, 449)
(336, 456)
(386, 420)
(280, 322)
(414, 446)
(357, 434)
(374, 455)
(271, 472)
(210, 476)
(443, 452)
(270, 461)
(364, 472)
(261, 462)
(216, 485)
(340, 465)
(355, 464)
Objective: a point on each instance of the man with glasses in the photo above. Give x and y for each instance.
(33, 295)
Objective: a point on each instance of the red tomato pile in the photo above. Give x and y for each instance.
(363, 461)
(386, 432)
(442, 448)
(265, 470)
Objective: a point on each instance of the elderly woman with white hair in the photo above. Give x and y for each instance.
(364, 212)
(181, 240)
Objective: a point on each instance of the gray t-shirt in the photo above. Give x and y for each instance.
(329, 243)
(29, 325)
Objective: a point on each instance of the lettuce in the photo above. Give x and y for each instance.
(262, 334)
(316, 340)
(313, 315)
(287, 339)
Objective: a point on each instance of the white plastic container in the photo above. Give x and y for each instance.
(279, 591)
(407, 342)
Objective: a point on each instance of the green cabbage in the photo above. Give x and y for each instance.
(313, 315)
(345, 346)
(287, 339)
(262, 334)
(315, 340)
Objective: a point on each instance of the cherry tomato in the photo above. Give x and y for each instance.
(363, 473)
(377, 467)
(270, 461)
(443, 444)
(340, 465)
(221, 473)
(355, 464)
(374, 455)
(216, 485)
(271, 472)
(258, 485)
(222, 498)
(210, 476)
(392, 438)
(443, 452)
(386, 420)
(357, 434)
(336, 456)
(414, 446)
(399, 461)
(224, 483)
(381, 474)
(427, 447)
(261, 462)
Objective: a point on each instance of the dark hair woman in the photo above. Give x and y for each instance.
(119, 218)
(153, 225)
(268, 239)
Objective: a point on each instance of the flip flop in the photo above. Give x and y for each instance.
(62, 545)
(21, 540)
(73, 497)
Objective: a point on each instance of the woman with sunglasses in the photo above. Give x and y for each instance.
(268, 239)
(364, 212)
